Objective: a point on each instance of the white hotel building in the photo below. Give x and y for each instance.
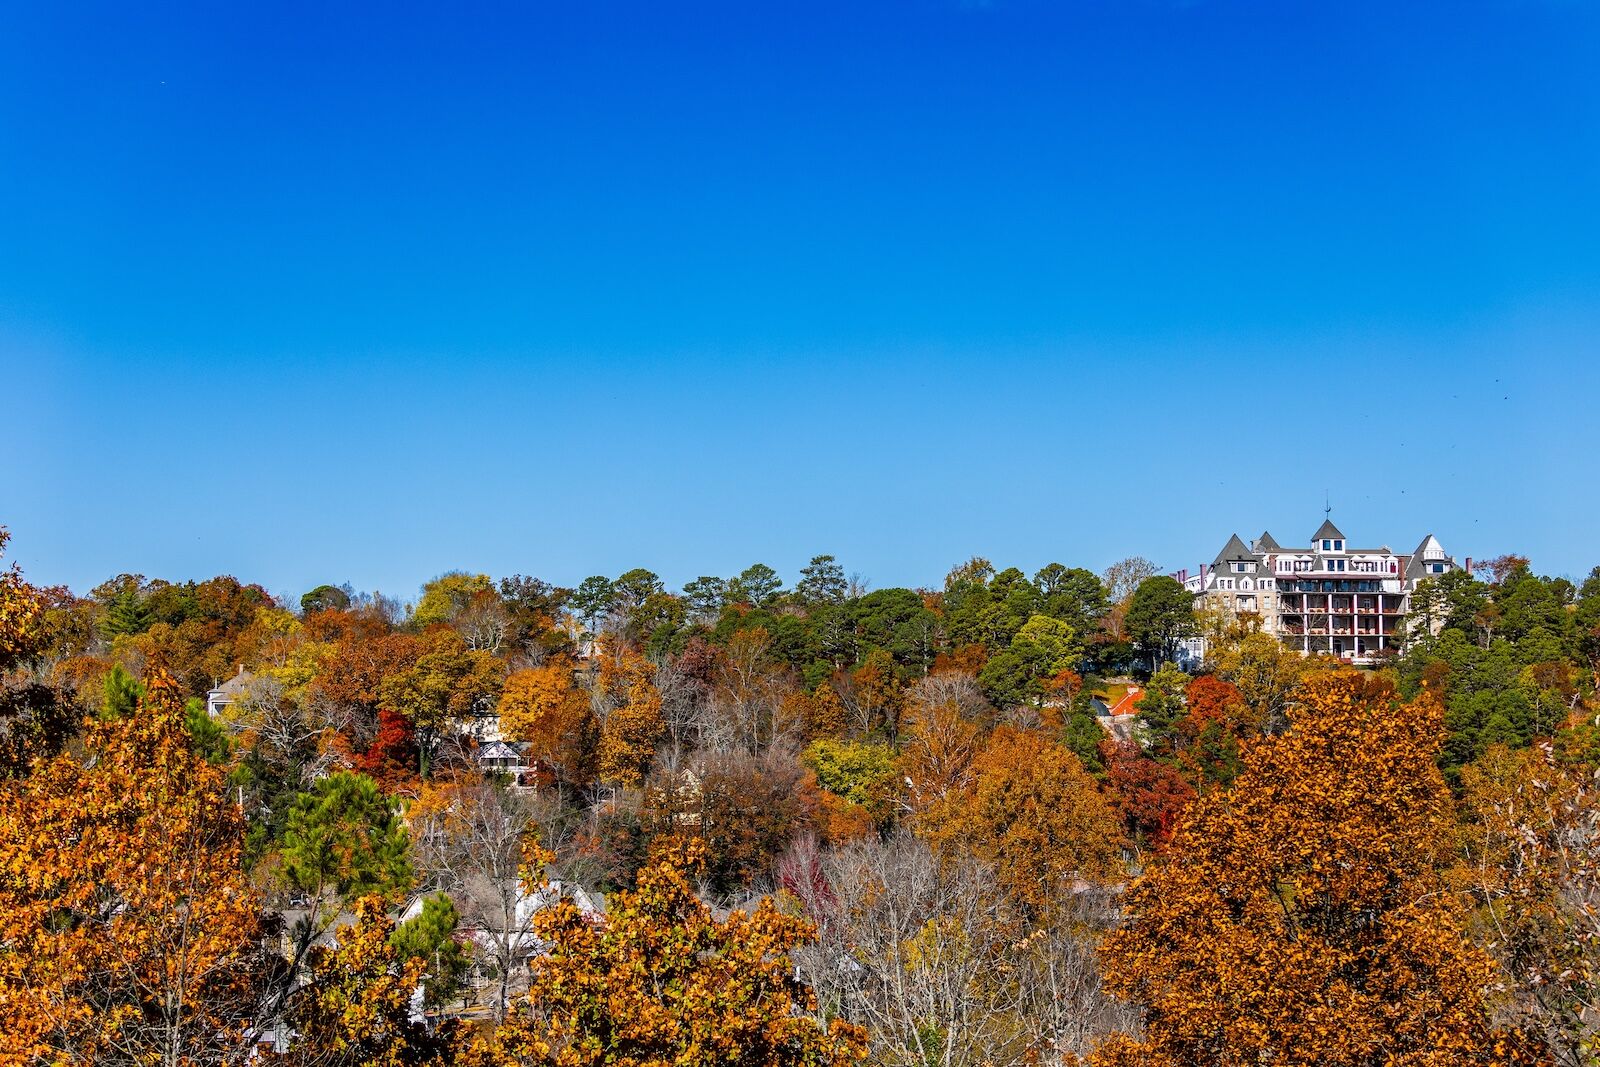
(1324, 599)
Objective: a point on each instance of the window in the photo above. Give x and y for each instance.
(1436, 568)
(1338, 546)
(1240, 568)
(1327, 545)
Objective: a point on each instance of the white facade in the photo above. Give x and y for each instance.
(1328, 598)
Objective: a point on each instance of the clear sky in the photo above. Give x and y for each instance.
(330, 291)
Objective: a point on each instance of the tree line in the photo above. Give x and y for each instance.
(749, 823)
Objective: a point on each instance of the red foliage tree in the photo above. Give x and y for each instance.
(1148, 795)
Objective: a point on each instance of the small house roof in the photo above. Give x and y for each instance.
(1267, 543)
(1327, 530)
(234, 686)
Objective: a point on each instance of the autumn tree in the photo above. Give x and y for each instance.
(661, 980)
(1216, 723)
(355, 1008)
(745, 809)
(22, 609)
(470, 836)
(747, 700)
(818, 714)
(1266, 674)
(859, 782)
(449, 686)
(632, 725)
(1148, 795)
(36, 721)
(535, 609)
(281, 745)
(877, 695)
(943, 968)
(1303, 916)
(545, 707)
(1035, 815)
(448, 595)
(946, 725)
(1529, 818)
(130, 933)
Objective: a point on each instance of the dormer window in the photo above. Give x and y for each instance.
(1240, 568)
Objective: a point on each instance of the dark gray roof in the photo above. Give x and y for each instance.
(1327, 529)
(1416, 565)
(1235, 549)
(1265, 543)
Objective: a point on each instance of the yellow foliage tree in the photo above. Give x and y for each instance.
(1303, 917)
(128, 933)
(634, 726)
(355, 1009)
(21, 612)
(661, 981)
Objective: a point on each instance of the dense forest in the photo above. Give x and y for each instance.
(754, 823)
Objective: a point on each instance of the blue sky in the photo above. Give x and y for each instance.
(328, 292)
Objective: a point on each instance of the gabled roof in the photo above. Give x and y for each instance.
(498, 750)
(1266, 543)
(1423, 547)
(1235, 549)
(1126, 706)
(233, 687)
(1327, 529)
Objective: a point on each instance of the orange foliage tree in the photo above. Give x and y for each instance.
(129, 932)
(545, 707)
(1036, 815)
(661, 981)
(1303, 916)
(939, 744)
(22, 609)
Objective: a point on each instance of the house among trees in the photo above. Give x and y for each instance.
(1327, 598)
(228, 692)
(500, 758)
